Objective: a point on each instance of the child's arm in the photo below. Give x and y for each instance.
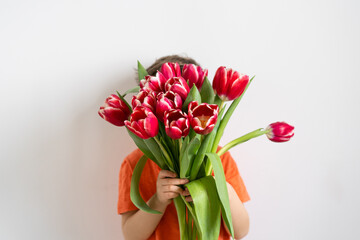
(239, 215)
(139, 224)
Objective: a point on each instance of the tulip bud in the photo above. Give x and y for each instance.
(144, 98)
(176, 124)
(194, 74)
(178, 85)
(114, 110)
(229, 84)
(153, 83)
(203, 117)
(143, 123)
(167, 101)
(170, 70)
(280, 132)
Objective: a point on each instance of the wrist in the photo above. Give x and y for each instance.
(157, 204)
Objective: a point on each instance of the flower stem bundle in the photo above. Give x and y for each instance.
(177, 118)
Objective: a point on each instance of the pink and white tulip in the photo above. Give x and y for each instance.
(167, 101)
(177, 124)
(153, 83)
(203, 117)
(280, 132)
(229, 84)
(143, 123)
(144, 98)
(170, 70)
(194, 74)
(115, 111)
(178, 85)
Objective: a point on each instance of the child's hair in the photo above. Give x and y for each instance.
(171, 58)
(156, 66)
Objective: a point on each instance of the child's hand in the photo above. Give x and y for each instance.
(187, 196)
(166, 186)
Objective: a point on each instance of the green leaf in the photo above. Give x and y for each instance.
(156, 151)
(200, 156)
(181, 213)
(132, 90)
(193, 95)
(207, 92)
(184, 144)
(188, 156)
(191, 210)
(134, 188)
(167, 140)
(222, 189)
(217, 100)
(142, 146)
(206, 206)
(208, 166)
(141, 71)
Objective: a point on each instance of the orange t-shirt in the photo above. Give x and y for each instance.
(168, 227)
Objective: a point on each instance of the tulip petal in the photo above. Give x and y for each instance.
(220, 81)
(151, 125)
(237, 88)
(129, 125)
(280, 132)
(174, 132)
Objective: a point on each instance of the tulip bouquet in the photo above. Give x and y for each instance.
(176, 119)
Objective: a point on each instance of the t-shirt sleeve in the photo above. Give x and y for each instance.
(233, 177)
(124, 201)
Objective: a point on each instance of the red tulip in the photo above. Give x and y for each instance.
(170, 70)
(229, 84)
(203, 117)
(167, 101)
(178, 85)
(153, 83)
(194, 74)
(144, 98)
(176, 124)
(114, 111)
(280, 132)
(143, 123)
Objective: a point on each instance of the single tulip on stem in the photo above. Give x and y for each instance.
(194, 75)
(143, 123)
(280, 132)
(229, 84)
(203, 117)
(115, 110)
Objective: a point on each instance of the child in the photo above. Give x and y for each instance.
(158, 188)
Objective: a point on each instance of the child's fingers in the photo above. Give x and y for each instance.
(188, 199)
(174, 181)
(172, 188)
(166, 173)
(171, 195)
(185, 192)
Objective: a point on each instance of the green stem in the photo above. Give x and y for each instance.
(167, 157)
(194, 232)
(242, 139)
(189, 224)
(200, 156)
(226, 118)
(180, 143)
(221, 105)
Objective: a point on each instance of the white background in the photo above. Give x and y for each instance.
(59, 60)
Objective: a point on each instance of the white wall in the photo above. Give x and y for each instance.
(59, 60)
